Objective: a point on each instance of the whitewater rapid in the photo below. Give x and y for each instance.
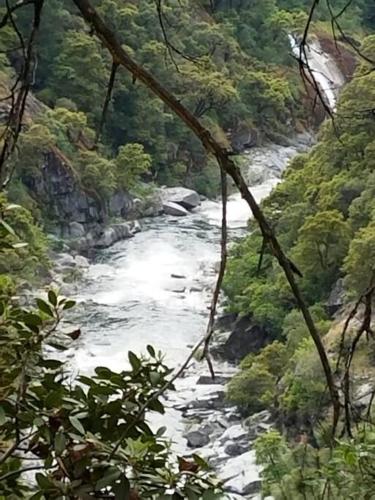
(156, 289)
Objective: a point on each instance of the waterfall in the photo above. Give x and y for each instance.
(324, 69)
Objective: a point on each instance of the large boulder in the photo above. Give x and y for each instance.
(197, 439)
(246, 337)
(241, 474)
(336, 298)
(112, 234)
(150, 205)
(171, 208)
(187, 198)
(243, 137)
(234, 449)
(76, 230)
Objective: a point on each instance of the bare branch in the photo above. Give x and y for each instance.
(228, 166)
(10, 10)
(107, 100)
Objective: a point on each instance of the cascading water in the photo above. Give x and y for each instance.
(155, 289)
(323, 68)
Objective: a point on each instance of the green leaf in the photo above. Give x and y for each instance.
(53, 399)
(151, 351)
(12, 206)
(2, 416)
(69, 304)
(37, 496)
(33, 320)
(103, 372)
(52, 364)
(154, 377)
(7, 227)
(161, 431)
(122, 490)
(77, 424)
(134, 361)
(44, 307)
(156, 406)
(60, 443)
(109, 478)
(43, 481)
(199, 461)
(86, 380)
(52, 297)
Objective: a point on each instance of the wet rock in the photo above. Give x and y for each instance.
(363, 396)
(187, 198)
(243, 137)
(208, 380)
(197, 439)
(76, 230)
(245, 338)
(81, 261)
(112, 234)
(262, 417)
(336, 297)
(252, 488)
(215, 401)
(226, 321)
(234, 433)
(234, 449)
(171, 208)
(134, 226)
(65, 260)
(120, 204)
(149, 206)
(241, 474)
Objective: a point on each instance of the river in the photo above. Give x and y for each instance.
(156, 289)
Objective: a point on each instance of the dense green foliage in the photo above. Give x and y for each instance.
(231, 74)
(229, 63)
(24, 261)
(90, 438)
(304, 472)
(322, 212)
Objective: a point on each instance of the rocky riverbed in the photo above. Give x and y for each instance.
(156, 289)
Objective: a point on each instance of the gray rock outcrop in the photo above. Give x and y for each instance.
(245, 337)
(185, 197)
(336, 298)
(197, 439)
(172, 208)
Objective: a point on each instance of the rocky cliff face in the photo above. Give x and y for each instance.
(76, 214)
(58, 188)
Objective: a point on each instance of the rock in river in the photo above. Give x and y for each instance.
(187, 198)
(246, 337)
(197, 439)
(172, 208)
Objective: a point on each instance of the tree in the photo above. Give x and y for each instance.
(79, 72)
(97, 173)
(322, 244)
(131, 163)
(359, 264)
(90, 436)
